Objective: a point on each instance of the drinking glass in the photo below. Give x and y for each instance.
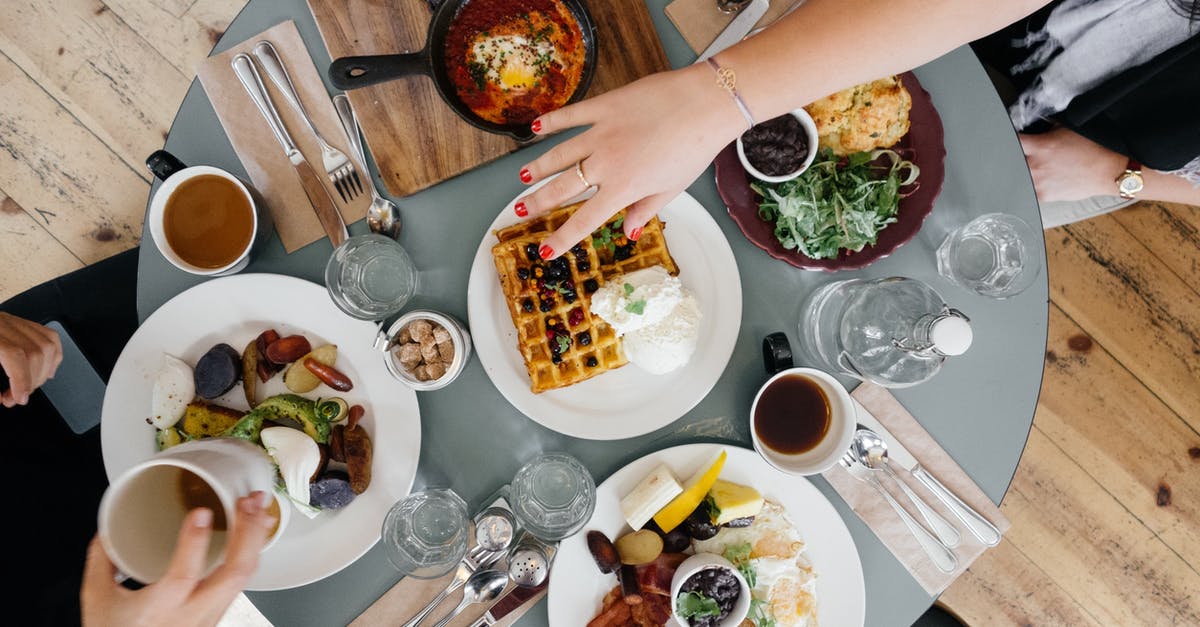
(553, 496)
(994, 255)
(426, 533)
(370, 277)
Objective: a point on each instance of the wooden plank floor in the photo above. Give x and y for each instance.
(1105, 504)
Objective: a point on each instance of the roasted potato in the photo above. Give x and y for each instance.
(639, 547)
(202, 420)
(299, 379)
(250, 372)
(357, 445)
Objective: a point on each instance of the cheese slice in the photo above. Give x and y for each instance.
(731, 500)
(693, 493)
(651, 495)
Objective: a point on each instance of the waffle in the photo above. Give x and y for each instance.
(543, 316)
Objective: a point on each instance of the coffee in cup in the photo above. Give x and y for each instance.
(802, 421)
(203, 219)
(143, 509)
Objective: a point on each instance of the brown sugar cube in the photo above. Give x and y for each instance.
(421, 373)
(435, 370)
(404, 337)
(419, 330)
(429, 350)
(410, 355)
(446, 351)
(440, 334)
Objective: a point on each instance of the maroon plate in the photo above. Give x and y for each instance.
(924, 145)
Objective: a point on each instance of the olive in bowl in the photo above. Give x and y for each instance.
(708, 591)
(779, 149)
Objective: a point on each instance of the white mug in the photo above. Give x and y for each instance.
(172, 172)
(143, 509)
(831, 448)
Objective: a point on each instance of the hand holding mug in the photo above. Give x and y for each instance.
(184, 596)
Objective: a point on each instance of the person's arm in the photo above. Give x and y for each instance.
(183, 596)
(650, 139)
(1067, 166)
(29, 354)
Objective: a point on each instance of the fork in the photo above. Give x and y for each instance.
(338, 167)
(475, 559)
(939, 553)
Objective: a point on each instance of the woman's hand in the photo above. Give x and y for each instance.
(29, 353)
(182, 596)
(648, 141)
(1067, 166)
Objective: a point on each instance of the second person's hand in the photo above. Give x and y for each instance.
(648, 141)
(29, 353)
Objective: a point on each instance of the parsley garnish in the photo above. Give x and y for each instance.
(760, 613)
(696, 605)
(605, 236)
(636, 307)
(628, 290)
(564, 343)
(739, 555)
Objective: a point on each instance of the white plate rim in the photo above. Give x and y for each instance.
(841, 596)
(713, 276)
(393, 412)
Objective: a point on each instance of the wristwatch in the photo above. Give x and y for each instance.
(1130, 182)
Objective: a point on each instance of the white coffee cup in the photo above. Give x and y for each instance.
(174, 173)
(832, 447)
(143, 509)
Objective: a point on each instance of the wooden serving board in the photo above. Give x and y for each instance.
(416, 139)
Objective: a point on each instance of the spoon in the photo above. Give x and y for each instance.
(383, 216)
(872, 451)
(484, 586)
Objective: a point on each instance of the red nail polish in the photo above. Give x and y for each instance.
(526, 175)
(536, 126)
(521, 210)
(635, 234)
(545, 252)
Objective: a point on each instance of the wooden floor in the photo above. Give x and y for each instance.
(1105, 505)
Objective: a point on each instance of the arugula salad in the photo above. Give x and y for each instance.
(838, 202)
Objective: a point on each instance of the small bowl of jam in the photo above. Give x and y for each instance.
(802, 421)
(779, 149)
(708, 591)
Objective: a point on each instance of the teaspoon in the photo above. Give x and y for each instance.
(383, 216)
(484, 586)
(873, 454)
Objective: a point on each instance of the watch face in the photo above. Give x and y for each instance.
(1130, 184)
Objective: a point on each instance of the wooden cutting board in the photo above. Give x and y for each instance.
(416, 139)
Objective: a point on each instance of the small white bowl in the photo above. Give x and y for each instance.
(458, 335)
(842, 423)
(705, 561)
(810, 132)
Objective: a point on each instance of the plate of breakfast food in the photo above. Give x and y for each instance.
(878, 168)
(292, 374)
(704, 535)
(614, 338)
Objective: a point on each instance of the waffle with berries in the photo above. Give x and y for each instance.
(561, 341)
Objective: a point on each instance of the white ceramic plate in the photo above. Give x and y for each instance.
(234, 310)
(577, 587)
(626, 402)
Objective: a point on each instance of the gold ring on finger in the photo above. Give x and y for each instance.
(579, 173)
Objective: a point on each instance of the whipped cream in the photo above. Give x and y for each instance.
(664, 335)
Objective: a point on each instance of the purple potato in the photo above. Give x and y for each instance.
(217, 371)
(331, 491)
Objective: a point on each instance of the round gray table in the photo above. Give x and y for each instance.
(979, 407)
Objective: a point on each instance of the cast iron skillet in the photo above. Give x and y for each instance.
(356, 72)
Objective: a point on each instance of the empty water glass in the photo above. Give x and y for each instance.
(553, 496)
(426, 533)
(370, 277)
(994, 255)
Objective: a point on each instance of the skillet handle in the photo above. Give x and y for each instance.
(356, 72)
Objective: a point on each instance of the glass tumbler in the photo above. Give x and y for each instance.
(994, 255)
(553, 496)
(370, 277)
(426, 533)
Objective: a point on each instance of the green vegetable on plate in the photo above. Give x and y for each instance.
(836, 203)
(696, 605)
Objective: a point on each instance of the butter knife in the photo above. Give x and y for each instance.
(738, 28)
(508, 603)
(322, 202)
(979, 526)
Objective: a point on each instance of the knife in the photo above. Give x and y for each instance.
(508, 603)
(322, 202)
(738, 28)
(979, 526)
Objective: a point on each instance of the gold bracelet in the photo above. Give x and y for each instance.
(727, 80)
